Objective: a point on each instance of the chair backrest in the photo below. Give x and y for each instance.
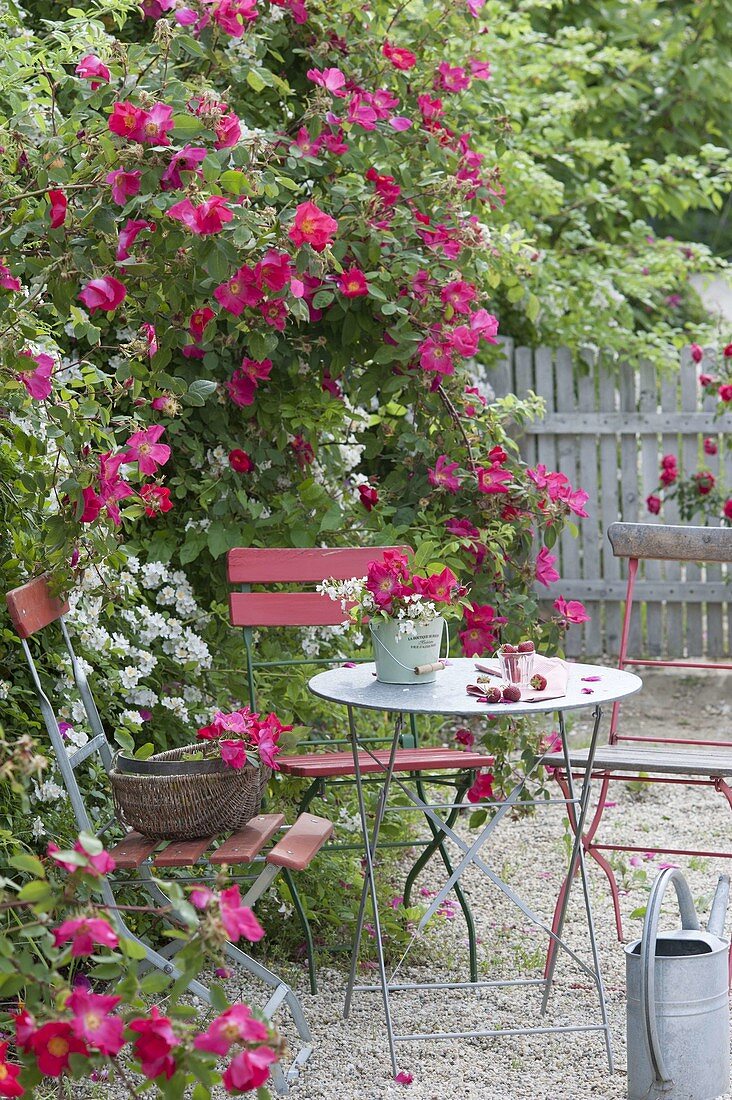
(249, 566)
(663, 542)
(32, 608)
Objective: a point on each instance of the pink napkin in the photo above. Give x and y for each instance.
(555, 671)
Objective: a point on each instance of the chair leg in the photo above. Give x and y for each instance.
(438, 844)
(305, 925)
(599, 859)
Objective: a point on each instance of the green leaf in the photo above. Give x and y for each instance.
(255, 82)
(235, 182)
(36, 892)
(186, 126)
(155, 982)
(131, 948)
(199, 390)
(28, 863)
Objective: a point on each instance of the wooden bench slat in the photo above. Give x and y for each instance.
(258, 565)
(663, 761)
(301, 843)
(329, 764)
(669, 541)
(182, 853)
(132, 850)
(32, 606)
(244, 845)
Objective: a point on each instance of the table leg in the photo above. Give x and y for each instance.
(369, 885)
(577, 860)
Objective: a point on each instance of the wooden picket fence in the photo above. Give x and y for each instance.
(607, 429)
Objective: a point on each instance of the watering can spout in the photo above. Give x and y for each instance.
(718, 915)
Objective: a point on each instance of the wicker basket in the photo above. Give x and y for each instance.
(167, 800)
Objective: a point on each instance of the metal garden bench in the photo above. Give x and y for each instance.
(33, 608)
(631, 757)
(330, 759)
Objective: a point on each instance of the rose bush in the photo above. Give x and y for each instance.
(59, 947)
(247, 265)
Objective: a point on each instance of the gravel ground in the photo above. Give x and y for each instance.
(351, 1058)
(350, 1061)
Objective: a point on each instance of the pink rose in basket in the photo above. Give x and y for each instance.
(258, 737)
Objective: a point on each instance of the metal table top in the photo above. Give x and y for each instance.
(358, 687)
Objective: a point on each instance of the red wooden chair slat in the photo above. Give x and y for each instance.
(301, 843)
(247, 843)
(32, 606)
(284, 609)
(133, 850)
(182, 853)
(328, 765)
(255, 565)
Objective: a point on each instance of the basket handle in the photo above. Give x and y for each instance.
(410, 668)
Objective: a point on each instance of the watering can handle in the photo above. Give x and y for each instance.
(410, 668)
(689, 920)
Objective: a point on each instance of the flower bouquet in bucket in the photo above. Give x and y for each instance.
(200, 790)
(406, 613)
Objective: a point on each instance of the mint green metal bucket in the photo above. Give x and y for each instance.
(397, 657)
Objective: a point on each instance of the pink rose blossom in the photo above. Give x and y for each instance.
(274, 270)
(443, 476)
(458, 294)
(105, 293)
(482, 787)
(466, 737)
(92, 1021)
(400, 58)
(451, 78)
(91, 68)
(238, 919)
(249, 1069)
(128, 234)
(125, 185)
(369, 496)
(154, 1044)
(199, 321)
(186, 159)
(333, 80)
(84, 933)
(144, 449)
(234, 1025)
(233, 15)
(493, 480)
(241, 291)
(697, 353)
(38, 381)
(352, 283)
(156, 499)
(312, 226)
(227, 130)
(572, 611)
(546, 574)
(244, 381)
(207, 218)
(7, 280)
(59, 204)
(653, 504)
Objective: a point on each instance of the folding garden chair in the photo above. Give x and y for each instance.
(333, 760)
(32, 608)
(632, 757)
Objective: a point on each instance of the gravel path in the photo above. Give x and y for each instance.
(351, 1059)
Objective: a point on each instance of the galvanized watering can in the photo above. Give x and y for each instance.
(678, 1006)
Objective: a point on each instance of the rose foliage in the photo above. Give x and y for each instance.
(60, 949)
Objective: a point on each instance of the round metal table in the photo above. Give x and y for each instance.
(358, 689)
